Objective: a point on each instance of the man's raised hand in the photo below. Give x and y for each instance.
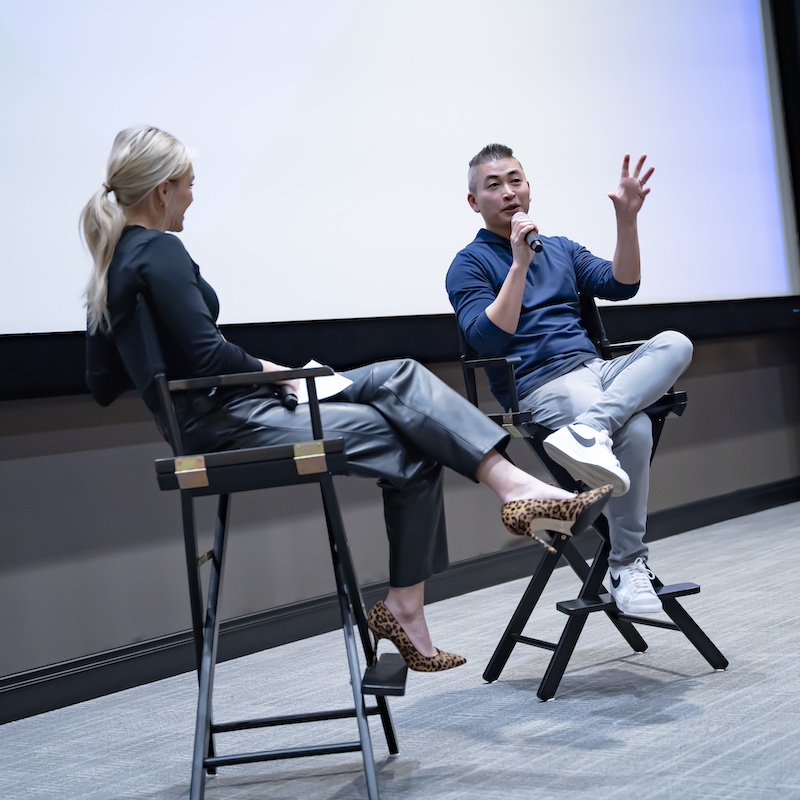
(630, 195)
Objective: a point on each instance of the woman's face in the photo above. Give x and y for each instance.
(179, 198)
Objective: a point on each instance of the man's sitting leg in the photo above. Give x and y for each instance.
(628, 384)
(585, 452)
(597, 395)
(632, 588)
(630, 577)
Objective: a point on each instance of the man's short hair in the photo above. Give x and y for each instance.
(492, 152)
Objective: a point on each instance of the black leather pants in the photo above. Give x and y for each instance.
(400, 424)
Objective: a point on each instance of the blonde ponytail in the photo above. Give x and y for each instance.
(142, 157)
(101, 222)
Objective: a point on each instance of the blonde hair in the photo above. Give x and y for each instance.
(142, 157)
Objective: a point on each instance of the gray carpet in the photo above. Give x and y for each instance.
(657, 725)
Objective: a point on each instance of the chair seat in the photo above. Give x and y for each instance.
(521, 425)
(670, 403)
(252, 468)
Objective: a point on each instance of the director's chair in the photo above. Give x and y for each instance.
(592, 596)
(315, 460)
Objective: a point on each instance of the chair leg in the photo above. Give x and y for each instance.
(694, 633)
(358, 697)
(560, 659)
(353, 616)
(341, 550)
(338, 539)
(351, 610)
(592, 582)
(193, 574)
(522, 614)
(202, 736)
(195, 590)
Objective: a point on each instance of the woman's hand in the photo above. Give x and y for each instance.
(287, 387)
(291, 387)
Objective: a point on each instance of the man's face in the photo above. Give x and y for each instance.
(500, 191)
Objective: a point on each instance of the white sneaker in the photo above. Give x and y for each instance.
(586, 454)
(632, 591)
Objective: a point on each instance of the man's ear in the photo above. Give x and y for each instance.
(473, 203)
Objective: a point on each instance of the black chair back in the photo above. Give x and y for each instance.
(140, 353)
(593, 322)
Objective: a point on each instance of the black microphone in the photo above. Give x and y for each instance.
(289, 400)
(532, 238)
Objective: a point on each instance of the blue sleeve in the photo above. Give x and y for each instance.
(173, 281)
(595, 276)
(471, 289)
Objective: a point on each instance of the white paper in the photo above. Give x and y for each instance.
(326, 386)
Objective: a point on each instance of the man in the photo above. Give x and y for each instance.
(511, 301)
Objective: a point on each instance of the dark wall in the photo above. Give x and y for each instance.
(93, 556)
(52, 365)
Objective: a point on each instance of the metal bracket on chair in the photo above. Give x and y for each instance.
(507, 422)
(191, 472)
(309, 458)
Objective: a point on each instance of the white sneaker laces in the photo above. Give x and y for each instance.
(640, 576)
(604, 440)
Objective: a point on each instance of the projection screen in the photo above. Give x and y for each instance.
(331, 139)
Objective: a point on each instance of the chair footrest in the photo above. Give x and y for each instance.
(387, 677)
(603, 602)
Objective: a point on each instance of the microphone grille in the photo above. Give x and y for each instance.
(518, 215)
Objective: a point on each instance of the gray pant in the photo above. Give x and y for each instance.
(611, 395)
(400, 424)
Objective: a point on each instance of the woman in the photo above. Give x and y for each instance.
(400, 424)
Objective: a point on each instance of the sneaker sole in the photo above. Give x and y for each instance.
(593, 475)
(636, 611)
(654, 608)
(587, 517)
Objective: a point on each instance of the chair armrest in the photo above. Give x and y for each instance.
(469, 365)
(247, 378)
(513, 421)
(492, 361)
(620, 348)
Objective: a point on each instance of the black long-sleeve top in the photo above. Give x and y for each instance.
(185, 308)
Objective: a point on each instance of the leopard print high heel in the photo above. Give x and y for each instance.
(572, 516)
(384, 625)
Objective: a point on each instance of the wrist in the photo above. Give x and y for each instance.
(627, 222)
